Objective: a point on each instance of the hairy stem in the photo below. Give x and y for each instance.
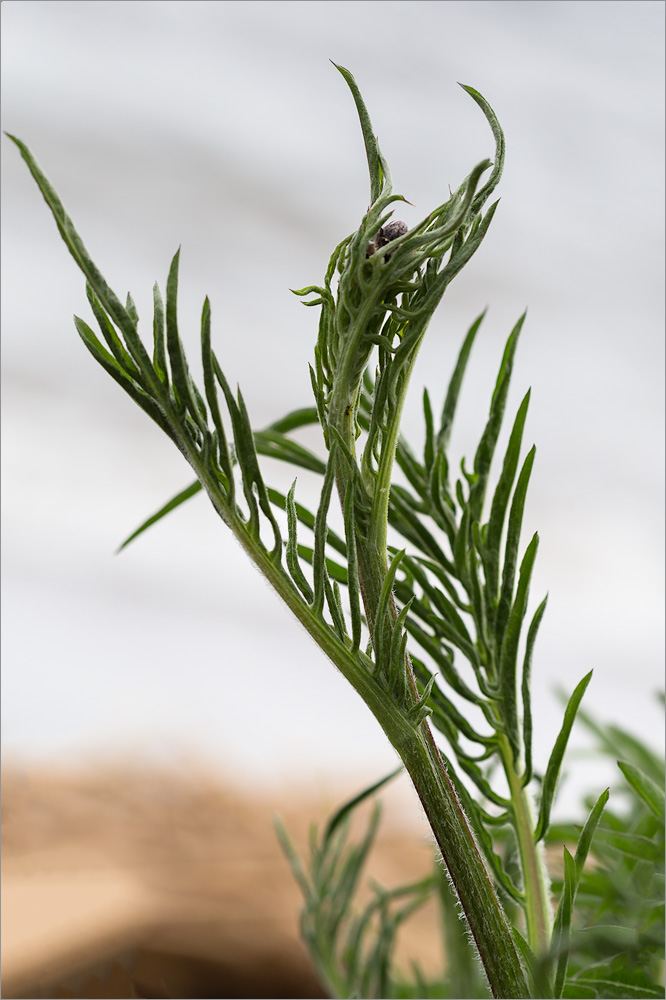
(416, 746)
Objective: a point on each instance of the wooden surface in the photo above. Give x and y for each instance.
(123, 884)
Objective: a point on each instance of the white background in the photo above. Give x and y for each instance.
(223, 127)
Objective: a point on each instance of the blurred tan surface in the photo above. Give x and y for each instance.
(126, 884)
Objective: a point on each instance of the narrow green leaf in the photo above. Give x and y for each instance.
(348, 807)
(448, 709)
(617, 988)
(159, 334)
(130, 307)
(320, 401)
(464, 250)
(572, 876)
(429, 447)
(526, 689)
(307, 518)
(453, 391)
(445, 663)
(418, 712)
(648, 790)
(347, 880)
(111, 337)
(509, 654)
(617, 742)
(179, 369)
(564, 915)
(293, 563)
(247, 461)
(376, 164)
(486, 449)
(247, 458)
(587, 833)
(276, 445)
(633, 844)
(575, 990)
(500, 147)
(403, 518)
(477, 598)
(100, 353)
(445, 607)
(511, 549)
(619, 980)
(111, 366)
(352, 570)
(443, 508)
(500, 503)
(531, 964)
(209, 363)
(292, 858)
(108, 299)
(412, 469)
(335, 607)
(334, 570)
(398, 679)
(551, 777)
(382, 624)
(176, 501)
(320, 532)
(302, 417)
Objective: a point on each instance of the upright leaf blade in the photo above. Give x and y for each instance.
(453, 391)
(552, 774)
(648, 790)
(176, 501)
(376, 163)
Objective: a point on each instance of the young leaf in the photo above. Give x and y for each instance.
(564, 914)
(179, 369)
(509, 654)
(512, 548)
(209, 363)
(109, 301)
(348, 807)
(486, 449)
(526, 689)
(159, 341)
(552, 774)
(376, 163)
(176, 501)
(453, 391)
(501, 502)
(572, 875)
(320, 533)
(500, 146)
(112, 368)
(293, 563)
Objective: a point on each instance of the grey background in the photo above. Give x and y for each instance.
(222, 127)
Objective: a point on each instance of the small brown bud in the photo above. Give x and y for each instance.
(391, 231)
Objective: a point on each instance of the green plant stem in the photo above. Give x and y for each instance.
(538, 914)
(417, 750)
(470, 878)
(415, 745)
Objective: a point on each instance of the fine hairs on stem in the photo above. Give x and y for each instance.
(434, 635)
